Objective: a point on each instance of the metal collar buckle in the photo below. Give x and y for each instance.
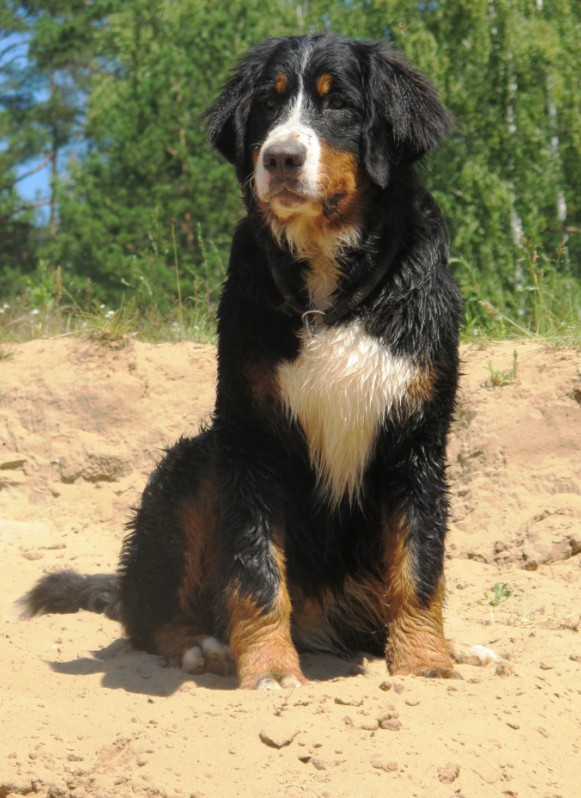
(312, 319)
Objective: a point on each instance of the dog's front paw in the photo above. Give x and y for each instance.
(478, 655)
(273, 681)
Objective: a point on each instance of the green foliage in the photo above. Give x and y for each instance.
(509, 179)
(499, 378)
(545, 301)
(146, 209)
(53, 304)
(500, 593)
(149, 170)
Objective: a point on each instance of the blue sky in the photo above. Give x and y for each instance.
(36, 185)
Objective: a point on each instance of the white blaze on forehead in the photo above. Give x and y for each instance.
(340, 388)
(292, 130)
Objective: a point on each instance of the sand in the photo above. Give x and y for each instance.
(81, 714)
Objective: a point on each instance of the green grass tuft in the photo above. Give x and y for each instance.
(500, 378)
(543, 302)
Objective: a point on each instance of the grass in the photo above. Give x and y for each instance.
(500, 593)
(47, 308)
(541, 300)
(546, 305)
(19, 322)
(500, 378)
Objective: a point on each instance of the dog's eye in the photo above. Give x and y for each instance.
(270, 102)
(336, 102)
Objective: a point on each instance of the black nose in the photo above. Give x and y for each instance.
(285, 158)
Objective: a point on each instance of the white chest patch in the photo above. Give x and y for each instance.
(340, 388)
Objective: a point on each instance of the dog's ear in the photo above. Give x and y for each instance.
(226, 120)
(404, 117)
(221, 117)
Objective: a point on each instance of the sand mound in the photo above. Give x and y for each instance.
(83, 715)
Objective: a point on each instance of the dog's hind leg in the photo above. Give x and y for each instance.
(169, 563)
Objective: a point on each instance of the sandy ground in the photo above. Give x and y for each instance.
(83, 715)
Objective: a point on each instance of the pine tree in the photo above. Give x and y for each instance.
(18, 144)
(45, 69)
(149, 175)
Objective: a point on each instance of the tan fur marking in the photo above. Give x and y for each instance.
(323, 84)
(415, 634)
(340, 174)
(322, 281)
(263, 384)
(421, 389)
(309, 234)
(260, 641)
(321, 228)
(328, 221)
(198, 521)
(280, 83)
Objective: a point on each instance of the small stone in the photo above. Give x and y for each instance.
(278, 736)
(390, 715)
(575, 657)
(9, 462)
(448, 773)
(385, 686)
(546, 666)
(391, 725)
(398, 687)
(369, 725)
(320, 764)
(384, 764)
(513, 725)
(32, 555)
(412, 702)
(349, 702)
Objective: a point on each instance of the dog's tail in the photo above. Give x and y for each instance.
(67, 591)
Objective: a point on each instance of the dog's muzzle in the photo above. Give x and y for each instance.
(288, 165)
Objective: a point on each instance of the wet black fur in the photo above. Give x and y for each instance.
(255, 456)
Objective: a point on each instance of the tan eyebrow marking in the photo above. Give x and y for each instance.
(323, 84)
(280, 83)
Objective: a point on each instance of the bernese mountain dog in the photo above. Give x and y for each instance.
(311, 514)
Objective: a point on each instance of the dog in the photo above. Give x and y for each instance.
(311, 513)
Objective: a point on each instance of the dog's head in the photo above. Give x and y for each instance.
(311, 121)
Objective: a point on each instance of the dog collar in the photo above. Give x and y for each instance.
(313, 317)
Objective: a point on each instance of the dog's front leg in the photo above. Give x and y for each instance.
(413, 536)
(258, 607)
